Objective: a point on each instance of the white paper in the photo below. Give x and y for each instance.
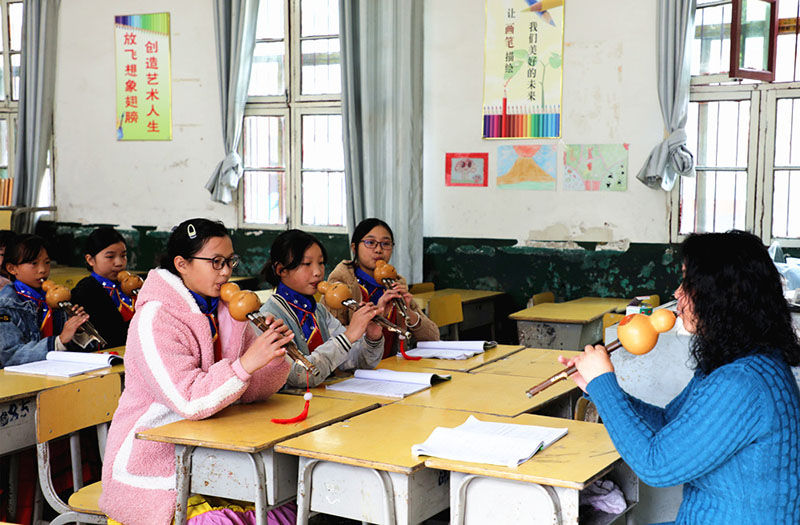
(55, 368)
(389, 383)
(418, 378)
(475, 441)
(478, 346)
(84, 357)
(442, 353)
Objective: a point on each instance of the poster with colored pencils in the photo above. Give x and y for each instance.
(523, 69)
(144, 93)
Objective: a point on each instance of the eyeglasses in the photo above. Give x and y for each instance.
(219, 261)
(372, 244)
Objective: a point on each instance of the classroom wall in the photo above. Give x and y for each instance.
(609, 96)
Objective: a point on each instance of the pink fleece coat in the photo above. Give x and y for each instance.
(170, 374)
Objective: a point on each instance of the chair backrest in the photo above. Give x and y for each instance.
(544, 297)
(654, 300)
(608, 320)
(446, 309)
(421, 288)
(74, 406)
(5, 219)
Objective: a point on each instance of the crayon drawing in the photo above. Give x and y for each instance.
(527, 167)
(466, 169)
(596, 167)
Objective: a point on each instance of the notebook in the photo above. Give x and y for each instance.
(388, 383)
(66, 364)
(450, 349)
(476, 441)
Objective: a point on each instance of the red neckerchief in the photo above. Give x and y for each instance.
(45, 315)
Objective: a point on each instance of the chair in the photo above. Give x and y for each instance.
(544, 297)
(654, 300)
(585, 411)
(421, 288)
(608, 320)
(65, 410)
(446, 310)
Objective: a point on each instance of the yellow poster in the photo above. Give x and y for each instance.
(144, 94)
(523, 69)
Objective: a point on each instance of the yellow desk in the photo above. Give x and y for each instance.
(478, 306)
(231, 454)
(499, 395)
(568, 326)
(536, 363)
(67, 275)
(614, 304)
(402, 364)
(546, 486)
(363, 469)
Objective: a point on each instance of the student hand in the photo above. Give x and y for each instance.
(385, 304)
(359, 321)
(72, 324)
(278, 325)
(266, 347)
(592, 363)
(402, 289)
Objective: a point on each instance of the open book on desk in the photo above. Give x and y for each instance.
(450, 349)
(476, 441)
(66, 364)
(389, 383)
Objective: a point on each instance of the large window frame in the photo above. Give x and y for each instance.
(292, 105)
(9, 107)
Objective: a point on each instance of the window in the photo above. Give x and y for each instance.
(742, 135)
(292, 149)
(10, 47)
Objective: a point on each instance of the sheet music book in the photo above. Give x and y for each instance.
(66, 364)
(450, 349)
(388, 383)
(476, 441)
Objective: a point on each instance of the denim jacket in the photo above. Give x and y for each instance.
(20, 340)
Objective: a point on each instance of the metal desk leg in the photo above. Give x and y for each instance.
(261, 489)
(183, 481)
(457, 513)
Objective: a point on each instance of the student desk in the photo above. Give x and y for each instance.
(477, 305)
(546, 486)
(68, 275)
(569, 326)
(536, 363)
(614, 304)
(402, 364)
(363, 468)
(231, 454)
(499, 395)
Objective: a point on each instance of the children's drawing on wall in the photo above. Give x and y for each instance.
(466, 169)
(523, 75)
(531, 167)
(596, 167)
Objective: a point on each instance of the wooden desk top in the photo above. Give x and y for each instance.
(614, 304)
(67, 275)
(362, 441)
(535, 363)
(401, 364)
(574, 461)
(500, 395)
(467, 296)
(247, 428)
(575, 313)
(19, 386)
(115, 369)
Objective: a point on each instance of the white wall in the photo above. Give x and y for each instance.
(609, 96)
(158, 183)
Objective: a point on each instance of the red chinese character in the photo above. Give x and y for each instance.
(151, 47)
(152, 79)
(152, 95)
(132, 102)
(130, 85)
(510, 29)
(153, 111)
(130, 39)
(132, 52)
(152, 127)
(131, 117)
(151, 63)
(130, 70)
(510, 42)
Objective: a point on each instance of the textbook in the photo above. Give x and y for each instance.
(389, 383)
(450, 349)
(66, 364)
(476, 441)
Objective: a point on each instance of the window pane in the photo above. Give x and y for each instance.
(2, 79)
(264, 197)
(270, 20)
(787, 131)
(262, 142)
(785, 216)
(267, 72)
(15, 25)
(323, 198)
(714, 202)
(15, 76)
(712, 40)
(4, 143)
(721, 135)
(319, 17)
(755, 31)
(321, 71)
(785, 67)
(322, 142)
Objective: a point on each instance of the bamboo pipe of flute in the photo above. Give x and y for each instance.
(564, 374)
(290, 347)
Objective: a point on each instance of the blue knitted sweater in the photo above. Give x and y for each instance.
(732, 437)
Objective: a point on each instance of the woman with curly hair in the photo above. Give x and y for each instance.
(732, 436)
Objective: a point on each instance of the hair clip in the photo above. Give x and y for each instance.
(190, 231)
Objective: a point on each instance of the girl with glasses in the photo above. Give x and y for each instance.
(373, 241)
(296, 266)
(110, 309)
(185, 358)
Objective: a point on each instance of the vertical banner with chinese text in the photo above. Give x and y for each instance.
(523, 73)
(144, 94)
